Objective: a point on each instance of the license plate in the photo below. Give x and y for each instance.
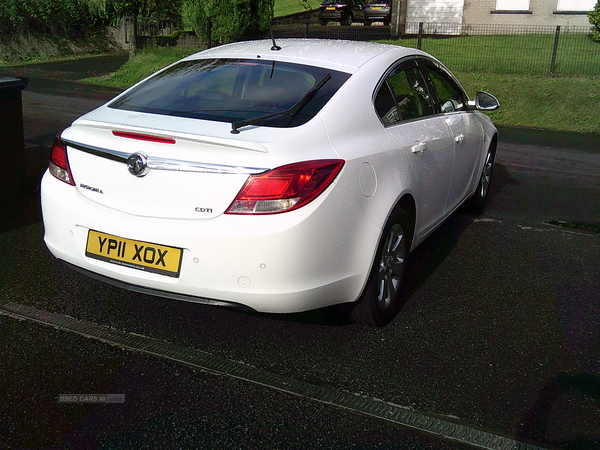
(377, 7)
(330, 8)
(139, 255)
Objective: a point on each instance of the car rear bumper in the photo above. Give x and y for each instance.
(290, 262)
(376, 16)
(331, 15)
(154, 292)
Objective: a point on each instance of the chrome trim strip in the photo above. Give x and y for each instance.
(187, 166)
(97, 151)
(172, 165)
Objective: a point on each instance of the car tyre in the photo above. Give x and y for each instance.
(347, 21)
(480, 197)
(368, 23)
(324, 22)
(379, 301)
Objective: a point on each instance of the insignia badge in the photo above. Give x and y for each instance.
(137, 164)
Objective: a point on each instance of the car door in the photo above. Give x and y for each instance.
(406, 109)
(467, 131)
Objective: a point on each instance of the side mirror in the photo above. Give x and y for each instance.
(484, 102)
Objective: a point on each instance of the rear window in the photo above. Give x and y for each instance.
(234, 90)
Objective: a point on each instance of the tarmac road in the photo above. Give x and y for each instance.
(498, 337)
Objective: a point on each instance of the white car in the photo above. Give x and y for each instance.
(279, 177)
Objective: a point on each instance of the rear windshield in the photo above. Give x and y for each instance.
(234, 90)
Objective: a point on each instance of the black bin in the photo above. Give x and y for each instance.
(12, 146)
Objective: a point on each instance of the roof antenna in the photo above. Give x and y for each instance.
(275, 47)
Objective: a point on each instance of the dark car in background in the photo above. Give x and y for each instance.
(378, 11)
(343, 11)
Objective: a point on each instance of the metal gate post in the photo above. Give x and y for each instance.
(555, 50)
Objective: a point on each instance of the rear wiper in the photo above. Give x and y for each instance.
(293, 111)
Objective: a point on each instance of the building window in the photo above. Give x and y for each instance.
(575, 5)
(512, 5)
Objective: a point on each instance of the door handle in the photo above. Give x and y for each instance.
(418, 147)
(460, 138)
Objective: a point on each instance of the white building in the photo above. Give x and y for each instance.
(451, 15)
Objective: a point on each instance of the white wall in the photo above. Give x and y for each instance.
(539, 12)
(447, 13)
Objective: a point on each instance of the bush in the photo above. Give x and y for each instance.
(65, 18)
(113, 11)
(220, 22)
(167, 40)
(594, 16)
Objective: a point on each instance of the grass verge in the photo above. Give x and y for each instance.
(143, 64)
(542, 102)
(285, 7)
(527, 101)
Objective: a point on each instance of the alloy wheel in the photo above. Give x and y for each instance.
(486, 176)
(391, 267)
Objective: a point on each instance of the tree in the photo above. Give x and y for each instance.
(305, 4)
(222, 21)
(59, 18)
(115, 10)
(594, 16)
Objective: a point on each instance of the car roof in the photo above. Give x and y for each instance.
(346, 56)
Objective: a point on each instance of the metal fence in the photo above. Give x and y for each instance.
(147, 27)
(555, 50)
(521, 49)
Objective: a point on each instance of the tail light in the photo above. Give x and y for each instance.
(285, 188)
(59, 163)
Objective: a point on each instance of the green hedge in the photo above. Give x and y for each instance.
(64, 18)
(594, 16)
